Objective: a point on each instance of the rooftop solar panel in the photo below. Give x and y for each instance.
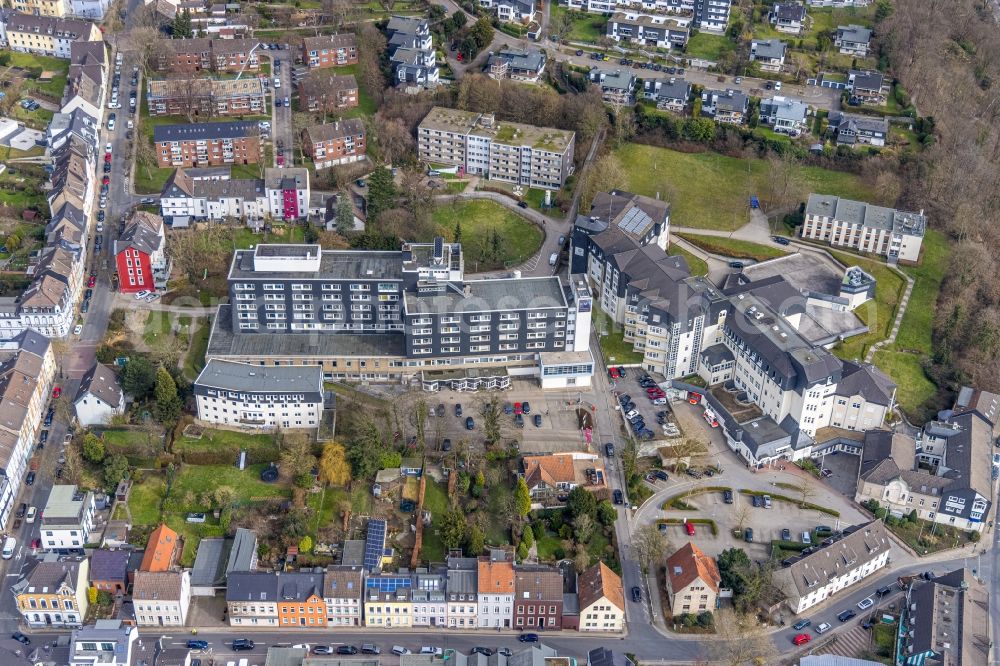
(374, 544)
(634, 221)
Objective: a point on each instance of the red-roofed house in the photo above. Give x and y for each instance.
(140, 255)
(162, 550)
(692, 581)
(558, 473)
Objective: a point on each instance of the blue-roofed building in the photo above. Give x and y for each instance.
(375, 550)
(389, 600)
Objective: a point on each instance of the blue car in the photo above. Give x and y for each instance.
(197, 645)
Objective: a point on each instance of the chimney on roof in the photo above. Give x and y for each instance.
(467, 290)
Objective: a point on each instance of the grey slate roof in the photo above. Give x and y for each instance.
(850, 552)
(866, 380)
(109, 565)
(101, 382)
(237, 129)
(949, 618)
(865, 214)
(537, 293)
(885, 455)
(207, 570)
(789, 11)
(784, 108)
(768, 48)
(671, 88)
(602, 656)
(617, 80)
(230, 376)
(866, 80)
(856, 123)
(243, 553)
(273, 587)
(531, 60)
(336, 130)
(854, 33)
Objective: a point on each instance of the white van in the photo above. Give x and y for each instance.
(8, 548)
(553, 259)
(277, 83)
(30, 517)
(806, 538)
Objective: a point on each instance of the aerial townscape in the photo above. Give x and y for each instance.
(499, 332)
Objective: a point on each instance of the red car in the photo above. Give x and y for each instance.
(802, 639)
(105, 180)
(689, 527)
(36, 543)
(518, 409)
(56, 392)
(107, 157)
(613, 373)
(91, 281)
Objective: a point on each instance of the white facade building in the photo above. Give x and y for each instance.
(104, 643)
(100, 397)
(161, 598)
(239, 394)
(891, 233)
(68, 520)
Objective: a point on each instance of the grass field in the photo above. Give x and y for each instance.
(711, 191)
(918, 322)
(520, 238)
(708, 46)
(613, 345)
(35, 65)
(879, 313)
(697, 265)
(194, 360)
(914, 388)
(584, 27)
(734, 247)
(264, 445)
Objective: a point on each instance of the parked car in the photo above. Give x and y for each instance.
(470, 423)
(29, 480)
(866, 603)
(689, 528)
(619, 498)
(458, 409)
(727, 496)
(823, 628)
(528, 638)
(194, 644)
(485, 651)
(609, 450)
(240, 644)
(519, 420)
(636, 593)
(21, 638)
(538, 420)
(786, 534)
(802, 639)
(756, 501)
(846, 615)
(801, 624)
(525, 407)
(748, 535)
(345, 649)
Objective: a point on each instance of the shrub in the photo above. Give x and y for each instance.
(706, 619)
(975, 537)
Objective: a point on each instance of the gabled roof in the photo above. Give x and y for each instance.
(537, 584)
(548, 469)
(689, 564)
(866, 380)
(343, 40)
(789, 11)
(160, 550)
(205, 131)
(885, 455)
(286, 587)
(51, 574)
(854, 33)
(600, 582)
(496, 576)
(846, 554)
(143, 233)
(109, 565)
(101, 382)
(158, 585)
(343, 582)
(336, 130)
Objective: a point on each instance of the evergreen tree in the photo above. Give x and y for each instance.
(345, 213)
(458, 231)
(181, 28)
(168, 403)
(381, 193)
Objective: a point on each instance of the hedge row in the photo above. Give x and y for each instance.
(676, 503)
(792, 500)
(696, 521)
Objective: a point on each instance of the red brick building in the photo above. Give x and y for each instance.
(330, 51)
(538, 599)
(206, 98)
(328, 92)
(207, 54)
(336, 143)
(207, 144)
(141, 262)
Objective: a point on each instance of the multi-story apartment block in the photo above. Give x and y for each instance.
(206, 54)
(323, 51)
(141, 254)
(725, 106)
(105, 643)
(161, 598)
(706, 15)
(395, 314)
(851, 129)
(948, 620)
(206, 98)
(411, 52)
(670, 94)
(746, 333)
(538, 598)
(511, 11)
(389, 600)
(207, 144)
(895, 234)
(281, 599)
(853, 39)
(601, 599)
(327, 92)
(44, 35)
(282, 194)
(784, 114)
(248, 396)
(342, 591)
(788, 17)
(68, 520)
(769, 53)
(54, 593)
(642, 29)
(463, 592)
(496, 590)
(341, 142)
(27, 372)
(521, 154)
(47, 8)
(837, 563)
(526, 66)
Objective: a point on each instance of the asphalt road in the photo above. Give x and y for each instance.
(282, 132)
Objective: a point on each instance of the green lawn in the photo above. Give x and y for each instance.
(690, 180)
(247, 171)
(613, 345)
(734, 247)
(697, 265)
(914, 388)
(584, 27)
(879, 313)
(708, 46)
(263, 446)
(35, 65)
(151, 181)
(479, 219)
(918, 322)
(194, 360)
(158, 327)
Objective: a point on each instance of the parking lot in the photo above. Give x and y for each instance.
(843, 476)
(647, 410)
